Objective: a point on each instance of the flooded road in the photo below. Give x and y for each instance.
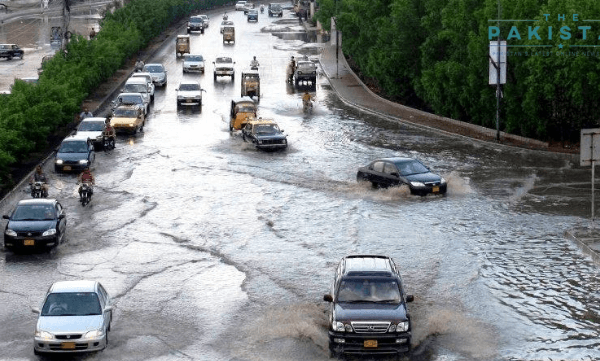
(216, 251)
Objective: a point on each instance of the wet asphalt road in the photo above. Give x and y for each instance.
(216, 251)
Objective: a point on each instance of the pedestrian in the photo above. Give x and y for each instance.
(85, 114)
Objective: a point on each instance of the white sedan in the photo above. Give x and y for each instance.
(189, 93)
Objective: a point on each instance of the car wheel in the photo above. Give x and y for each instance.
(361, 177)
(36, 352)
(215, 76)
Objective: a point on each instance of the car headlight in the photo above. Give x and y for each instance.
(417, 184)
(59, 161)
(443, 181)
(131, 124)
(338, 326)
(10, 232)
(83, 161)
(94, 334)
(50, 232)
(44, 335)
(401, 327)
(259, 141)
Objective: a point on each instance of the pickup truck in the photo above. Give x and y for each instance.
(10, 51)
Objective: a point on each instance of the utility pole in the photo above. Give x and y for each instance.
(65, 24)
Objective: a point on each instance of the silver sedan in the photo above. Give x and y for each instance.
(75, 317)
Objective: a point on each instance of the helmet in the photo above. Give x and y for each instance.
(38, 169)
(255, 57)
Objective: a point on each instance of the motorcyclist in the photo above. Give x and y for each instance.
(262, 8)
(139, 65)
(86, 177)
(109, 131)
(39, 176)
(225, 17)
(291, 69)
(306, 99)
(254, 64)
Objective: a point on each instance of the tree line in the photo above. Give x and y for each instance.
(434, 55)
(31, 112)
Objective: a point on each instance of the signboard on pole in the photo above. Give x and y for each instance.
(589, 154)
(497, 52)
(590, 146)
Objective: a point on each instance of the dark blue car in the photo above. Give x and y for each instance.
(35, 224)
(74, 154)
(264, 134)
(388, 172)
(252, 15)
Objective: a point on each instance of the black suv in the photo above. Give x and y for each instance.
(368, 308)
(10, 51)
(196, 23)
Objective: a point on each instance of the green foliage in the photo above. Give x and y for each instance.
(33, 111)
(435, 53)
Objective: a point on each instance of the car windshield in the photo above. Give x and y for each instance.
(194, 58)
(196, 20)
(95, 126)
(267, 129)
(73, 147)
(189, 87)
(71, 304)
(135, 88)
(368, 290)
(131, 99)
(275, 7)
(252, 12)
(254, 77)
(227, 22)
(154, 69)
(34, 212)
(245, 109)
(224, 60)
(125, 113)
(411, 167)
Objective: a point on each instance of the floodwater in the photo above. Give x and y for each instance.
(213, 250)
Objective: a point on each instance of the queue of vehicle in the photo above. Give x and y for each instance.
(368, 311)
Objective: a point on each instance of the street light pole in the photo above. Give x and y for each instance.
(498, 82)
(337, 43)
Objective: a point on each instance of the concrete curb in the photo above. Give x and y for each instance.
(479, 129)
(585, 248)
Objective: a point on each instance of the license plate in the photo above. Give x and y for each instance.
(371, 343)
(29, 242)
(67, 167)
(67, 345)
(189, 100)
(435, 189)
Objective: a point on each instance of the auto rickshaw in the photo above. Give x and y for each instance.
(182, 45)
(243, 110)
(228, 34)
(250, 83)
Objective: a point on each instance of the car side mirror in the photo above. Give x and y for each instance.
(213, 62)
(328, 298)
(61, 216)
(281, 130)
(410, 298)
(35, 310)
(5, 217)
(108, 309)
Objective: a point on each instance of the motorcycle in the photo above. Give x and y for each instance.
(37, 190)
(85, 193)
(108, 143)
(307, 106)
